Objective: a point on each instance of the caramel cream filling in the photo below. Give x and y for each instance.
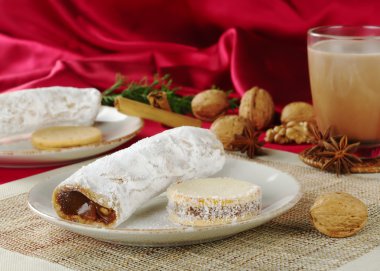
(74, 203)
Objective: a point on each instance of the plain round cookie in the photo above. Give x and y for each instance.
(65, 136)
(338, 214)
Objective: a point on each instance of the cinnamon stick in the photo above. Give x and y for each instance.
(133, 108)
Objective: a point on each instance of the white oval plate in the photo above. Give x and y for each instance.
(150, 225)
(116, 128)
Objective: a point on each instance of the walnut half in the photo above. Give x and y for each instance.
(291, 132)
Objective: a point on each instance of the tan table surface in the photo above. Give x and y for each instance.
(10, 260)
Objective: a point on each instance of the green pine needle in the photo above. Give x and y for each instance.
(139, 90)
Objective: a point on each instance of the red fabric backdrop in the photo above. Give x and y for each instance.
(233, 44)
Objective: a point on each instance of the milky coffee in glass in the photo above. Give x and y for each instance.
(344, 68)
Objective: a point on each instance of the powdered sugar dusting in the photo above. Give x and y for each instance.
(25, 111)
(215, 188)
(128, 178)
(213, 201)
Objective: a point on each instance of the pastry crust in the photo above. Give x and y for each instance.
(338, 214)
(126, 179)
(213, 201)
(57, 137)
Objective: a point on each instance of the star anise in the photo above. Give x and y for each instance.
(247, 142)
(318, 139)
(340, 155)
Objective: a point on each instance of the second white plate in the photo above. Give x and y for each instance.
(116, 128)
(150, 225)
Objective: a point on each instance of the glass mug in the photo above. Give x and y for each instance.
(344, 70)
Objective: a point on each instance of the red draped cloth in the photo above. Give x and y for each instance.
(232, 44)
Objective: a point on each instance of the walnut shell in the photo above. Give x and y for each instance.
(257, 107)
(297, 111)
(226, 127)
(338, 214)
(208, 105)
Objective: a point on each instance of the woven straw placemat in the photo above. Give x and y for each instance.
(288, 242)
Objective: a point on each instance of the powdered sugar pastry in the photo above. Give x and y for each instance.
(123, 181)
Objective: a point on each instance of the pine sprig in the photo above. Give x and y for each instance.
(139, 91)
(234, 103)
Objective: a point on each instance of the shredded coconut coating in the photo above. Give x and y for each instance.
(25, 111)
(124, 180)
(214, 210)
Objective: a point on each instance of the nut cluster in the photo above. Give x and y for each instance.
(291, 132)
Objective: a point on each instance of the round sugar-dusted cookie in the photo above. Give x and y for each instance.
(213, 201)
(65, 136)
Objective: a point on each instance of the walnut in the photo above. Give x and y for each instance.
(226, 127)
(297, 111)
(208, 105)
(291, 132)
(338, 214)
(257, 107)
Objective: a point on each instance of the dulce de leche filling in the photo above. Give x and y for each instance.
(75, 203)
